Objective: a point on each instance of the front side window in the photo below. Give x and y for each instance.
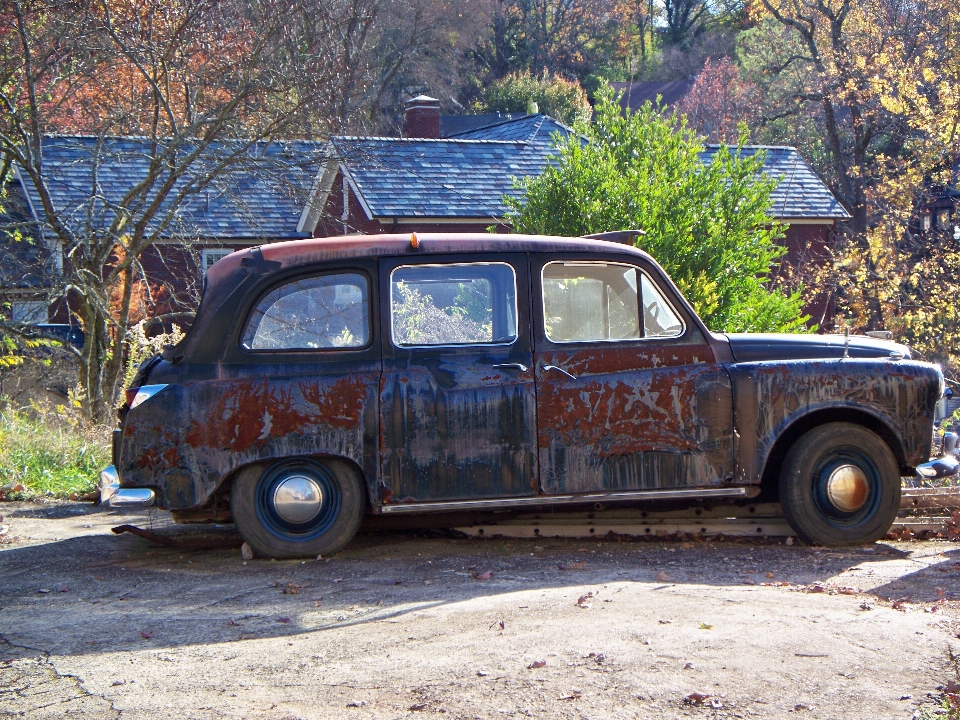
(598, 301)
(324, 312)
(466, 304)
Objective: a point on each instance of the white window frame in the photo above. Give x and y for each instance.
(210, 255)
(29, 311)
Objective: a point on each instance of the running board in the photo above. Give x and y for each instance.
(540, 500)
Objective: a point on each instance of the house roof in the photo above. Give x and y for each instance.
(801, 194)
(460, 177)
(467, 175)
(456, 124)
(261, 197)
(635, 94)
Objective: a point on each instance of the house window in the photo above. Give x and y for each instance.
(211, 256)
(926, 222)
(28, 311)
(943, 219)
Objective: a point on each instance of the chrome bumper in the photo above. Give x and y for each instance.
(114, 496)
(945, 466)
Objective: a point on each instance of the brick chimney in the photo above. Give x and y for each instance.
(422, 117)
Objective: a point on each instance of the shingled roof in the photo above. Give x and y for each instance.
(465, 176)
(261, 197)
(801, 194)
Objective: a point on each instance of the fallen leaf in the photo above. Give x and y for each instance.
(284, 620)
(801, 706)
(246, 552)
(696, 698)
(43, 590)
(749, 581)
(115, 683)
(537, 664)
(663, 622)
(662, 577)
(900, 605)
(355, 703)
(482, 673)
(789, 541)
(482, 576)
(769, 575)
(146, 634)
(291, 589)
(418, 707)
(689, 666)
(848, 591)
(584, 600)
(337, 580)
(66, 589)
(816, 588)
(574, 695)
(232, 622)
(704, 626)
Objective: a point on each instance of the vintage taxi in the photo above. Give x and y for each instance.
(328, 379)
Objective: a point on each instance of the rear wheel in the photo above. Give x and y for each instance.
(840, 485)
(298, 507)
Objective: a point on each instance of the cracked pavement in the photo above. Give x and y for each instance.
(401, 624)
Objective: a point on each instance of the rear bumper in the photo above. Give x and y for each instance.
(114, 496)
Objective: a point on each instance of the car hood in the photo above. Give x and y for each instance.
(754, 347)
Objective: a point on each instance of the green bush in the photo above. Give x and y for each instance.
(562, 99)
(706, 224)
(47, 451)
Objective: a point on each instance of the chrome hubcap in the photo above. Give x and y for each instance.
(847, 488)
(298, 499)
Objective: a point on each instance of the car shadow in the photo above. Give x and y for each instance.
(101, 593)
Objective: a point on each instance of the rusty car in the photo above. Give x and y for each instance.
(328, 380)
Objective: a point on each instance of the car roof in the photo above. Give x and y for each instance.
(295, 253)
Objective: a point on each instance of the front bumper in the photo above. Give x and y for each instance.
(114, 496)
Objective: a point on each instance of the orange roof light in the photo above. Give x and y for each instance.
(414, 241)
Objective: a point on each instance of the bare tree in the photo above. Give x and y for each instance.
(206, 84)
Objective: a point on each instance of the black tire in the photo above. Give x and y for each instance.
(816, 464)
(252, 504)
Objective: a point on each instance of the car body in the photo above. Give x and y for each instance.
(446, 372)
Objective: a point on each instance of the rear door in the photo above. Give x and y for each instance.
(457, 396)
(629, 394)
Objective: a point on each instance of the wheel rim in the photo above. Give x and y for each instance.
(298, 501)
(846, 487)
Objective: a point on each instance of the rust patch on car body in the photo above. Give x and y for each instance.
(204, 430)
(634, 419)
(772, 396)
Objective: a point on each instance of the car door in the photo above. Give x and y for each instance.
(457, 396)
(630, 396)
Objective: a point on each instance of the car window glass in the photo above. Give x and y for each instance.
(453, 304)
(659, 319)
(590, 301)
(328, 311)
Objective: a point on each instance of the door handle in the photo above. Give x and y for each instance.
(545, 368)
(512, 366)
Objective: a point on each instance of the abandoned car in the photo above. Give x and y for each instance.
(328, 379)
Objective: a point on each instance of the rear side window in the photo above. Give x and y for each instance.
(465, 304)
(598, 301)
(323, 312)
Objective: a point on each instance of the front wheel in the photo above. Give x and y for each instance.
(297, 508)
(840, 485)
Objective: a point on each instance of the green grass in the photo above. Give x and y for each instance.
(49, 453)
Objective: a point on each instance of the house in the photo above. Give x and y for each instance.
(260, 199)
(370, 185)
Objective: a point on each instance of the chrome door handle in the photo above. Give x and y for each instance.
(512, 366)
(545, 368)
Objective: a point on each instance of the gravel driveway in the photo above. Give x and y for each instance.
(405, 625)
